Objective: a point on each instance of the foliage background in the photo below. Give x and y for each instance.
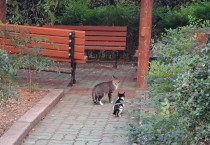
(178, 80)
(166, 14)
(179, 90)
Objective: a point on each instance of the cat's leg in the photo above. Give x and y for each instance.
(95, 99)
(110, 97)
(119, 114)
(99, 100)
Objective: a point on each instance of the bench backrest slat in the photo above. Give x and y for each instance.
(62, 47)
(101, 37)
(105, 38)
(58, 37)
(90, 28)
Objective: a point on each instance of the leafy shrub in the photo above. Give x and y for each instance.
(165, 17)
(7, 72)
(179, 84)
(201, 10)
(29, 56)
(76, 13)
(82, 13)
(193, 99)
(34, 12)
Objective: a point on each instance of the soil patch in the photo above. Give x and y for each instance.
(11, 110)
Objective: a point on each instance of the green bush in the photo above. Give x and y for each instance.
(179, 90)
(34, 12)
(201, 10)
(165, 17)
(77, 12)
(123, 13)
(82, 13)
(193, 90)
(7, 72)
(28, 58)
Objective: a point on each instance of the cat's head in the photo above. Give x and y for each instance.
(121, 95)
(115, 81)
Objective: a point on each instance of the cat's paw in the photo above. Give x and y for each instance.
(111, 102)
(101, 103)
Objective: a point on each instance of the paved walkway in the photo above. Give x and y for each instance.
(75, 120)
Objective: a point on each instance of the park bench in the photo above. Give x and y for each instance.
(105, 38)
(68, 45)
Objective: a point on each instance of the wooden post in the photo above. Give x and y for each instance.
(3, 11)
(144, 43)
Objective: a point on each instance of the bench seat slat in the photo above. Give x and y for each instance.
(47, 45)
(65, 40)
(105, 38)
(62, 47)
(84, 60)
(104, 48)
(59, 40)
(105, 33)
(53, 53)
(62, 54)
(104, 43)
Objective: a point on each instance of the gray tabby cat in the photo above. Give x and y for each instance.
(104, 88)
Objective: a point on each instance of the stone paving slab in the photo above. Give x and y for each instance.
(75, 120)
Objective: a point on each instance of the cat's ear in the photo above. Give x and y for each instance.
(124, 93)
(114, 77)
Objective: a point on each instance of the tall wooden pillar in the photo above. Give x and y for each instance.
(3, 11)
(144, 42)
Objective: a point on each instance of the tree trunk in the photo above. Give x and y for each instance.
(3, 11)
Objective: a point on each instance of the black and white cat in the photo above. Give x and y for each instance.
(100, 90)
(119, 105)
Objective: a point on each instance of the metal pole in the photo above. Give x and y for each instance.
(3, 11)
(144, 43)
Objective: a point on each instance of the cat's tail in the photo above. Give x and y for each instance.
(94, 97)
(116, 111)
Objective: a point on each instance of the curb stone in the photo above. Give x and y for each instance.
(16, 134)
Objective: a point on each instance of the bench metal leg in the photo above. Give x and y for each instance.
(71, 56)
(73, 69)
(73, 73)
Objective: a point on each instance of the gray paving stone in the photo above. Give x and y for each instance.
(71, 137)
(42, 142)
(58, 136)
(80, 142)
(60, 142)
(29, 142)
(41, 136)
(75, 120)
(88, 139)
(108, 140)
(92, 143)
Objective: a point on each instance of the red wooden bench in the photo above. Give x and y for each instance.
(69, 44)
(108, 38)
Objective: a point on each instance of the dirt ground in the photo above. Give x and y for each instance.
(11, 110)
